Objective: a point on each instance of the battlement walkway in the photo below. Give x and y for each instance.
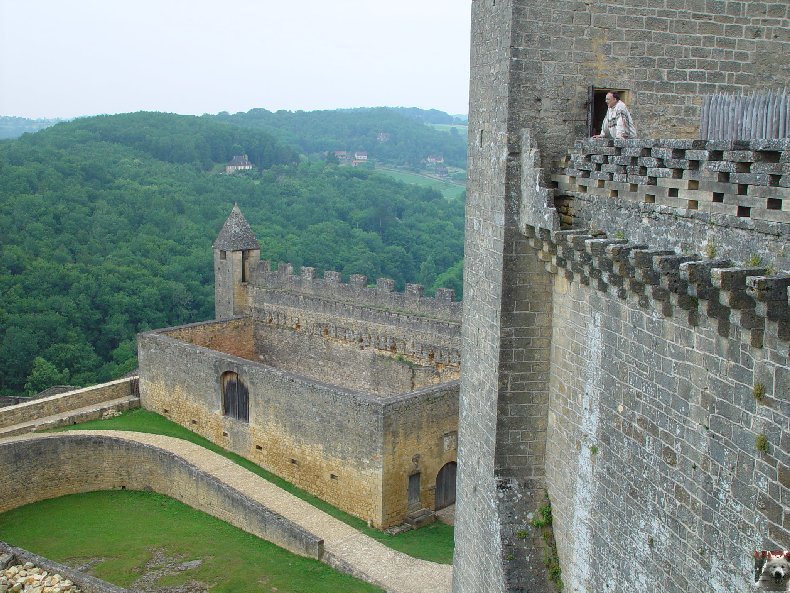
(344, 547)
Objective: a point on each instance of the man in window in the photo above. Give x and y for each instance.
(618, 122)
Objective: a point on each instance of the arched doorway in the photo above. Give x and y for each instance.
(235, 397)
(445, 486)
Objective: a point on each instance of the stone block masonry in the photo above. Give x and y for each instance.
(749, 180)
(625, 346)
(64, 403)
(56, 465)
(666, 56)
(655, 419)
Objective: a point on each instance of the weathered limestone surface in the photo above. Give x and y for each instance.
(353, 390)
(65, 402)
(56, 465)
(638, 328)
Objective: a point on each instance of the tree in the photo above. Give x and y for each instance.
(44, 375)
(104, 235)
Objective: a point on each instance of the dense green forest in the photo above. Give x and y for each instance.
(407, 141)
(106, 226)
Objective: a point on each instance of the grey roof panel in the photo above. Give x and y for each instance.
(236, 234)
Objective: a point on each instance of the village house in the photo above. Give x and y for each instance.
(238, 163)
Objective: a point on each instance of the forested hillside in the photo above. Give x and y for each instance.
(175, 138)
(406, 140)
(106, 226)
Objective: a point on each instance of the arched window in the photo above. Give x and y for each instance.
(235, 397)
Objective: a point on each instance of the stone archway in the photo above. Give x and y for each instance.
(445, 486)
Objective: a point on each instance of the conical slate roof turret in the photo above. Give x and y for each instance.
(236, 234)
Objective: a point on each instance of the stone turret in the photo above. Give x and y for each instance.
(236, 253)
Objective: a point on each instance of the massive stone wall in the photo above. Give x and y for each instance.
(329, 440)
(49, 466)
(653, 456)
(685, 410)
(678, 368)
(420, 435)
(532, 67)
(667, 54)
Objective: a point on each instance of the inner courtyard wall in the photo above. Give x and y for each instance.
(420, 436)
(341, 362)
(232, 336)
(425, 330)
(321, 438)
(53, 465)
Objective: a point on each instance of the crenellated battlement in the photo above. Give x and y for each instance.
(692, 285)
(743, 179)
(357, 292)
(625, 331)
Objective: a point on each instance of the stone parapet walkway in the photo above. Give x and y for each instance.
(344, 547)
(68, 417)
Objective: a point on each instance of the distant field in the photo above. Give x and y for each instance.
(450, 190)
(462, 128)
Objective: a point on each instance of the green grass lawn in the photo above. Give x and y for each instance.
(433, 542)
(126, 528)
(450, 190)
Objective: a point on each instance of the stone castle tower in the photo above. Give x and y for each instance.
(236, 253)
(625, 329)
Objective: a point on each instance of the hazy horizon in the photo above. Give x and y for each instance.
(464, 114)
(88, 57)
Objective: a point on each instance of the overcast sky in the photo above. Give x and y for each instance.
(66, 58)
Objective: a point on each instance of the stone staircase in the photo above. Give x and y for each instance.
(419, 518)
(414, 520)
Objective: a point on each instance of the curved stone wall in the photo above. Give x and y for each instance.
(39, 467)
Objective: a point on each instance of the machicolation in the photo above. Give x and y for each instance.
(625, 301)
